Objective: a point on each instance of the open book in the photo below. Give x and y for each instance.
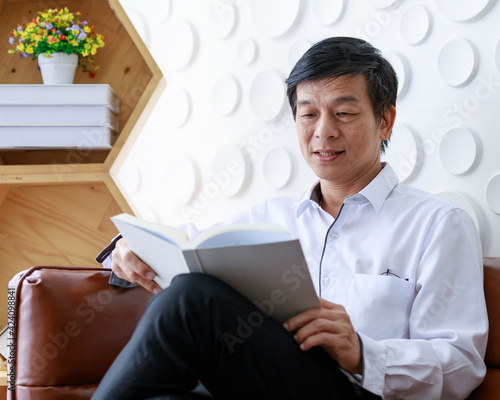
(261, 261)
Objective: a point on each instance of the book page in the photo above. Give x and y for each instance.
(167, 233)
(165, 258)
(240, 234)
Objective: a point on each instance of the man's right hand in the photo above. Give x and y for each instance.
(126, 265)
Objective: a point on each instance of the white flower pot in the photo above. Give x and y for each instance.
(58, 68)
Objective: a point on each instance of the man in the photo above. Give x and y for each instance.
(398, 271)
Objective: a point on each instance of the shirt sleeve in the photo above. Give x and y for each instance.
(448, 324)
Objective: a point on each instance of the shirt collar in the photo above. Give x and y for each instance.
(381, 186)
(375, 192)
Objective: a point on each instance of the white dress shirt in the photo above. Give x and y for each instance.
(407, 266)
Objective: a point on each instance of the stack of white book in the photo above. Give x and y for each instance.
(58, 116)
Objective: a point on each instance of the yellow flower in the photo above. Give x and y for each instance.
(86, 29)
(74, 43)
(20, 47)
(29, 49)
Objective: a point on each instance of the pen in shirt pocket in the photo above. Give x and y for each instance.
(390, 273)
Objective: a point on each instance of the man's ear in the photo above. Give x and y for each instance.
(387, 122)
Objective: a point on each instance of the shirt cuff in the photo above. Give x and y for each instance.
(374, 365)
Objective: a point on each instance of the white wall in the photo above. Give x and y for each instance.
(225, 111)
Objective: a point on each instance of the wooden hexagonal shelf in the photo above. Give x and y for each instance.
(125, 64)
(55, 204)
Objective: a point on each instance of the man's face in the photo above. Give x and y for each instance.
(339, 136)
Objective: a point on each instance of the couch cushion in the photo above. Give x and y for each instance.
(492, 292)
(70, 326)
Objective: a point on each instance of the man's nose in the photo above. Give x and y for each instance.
(327, 127)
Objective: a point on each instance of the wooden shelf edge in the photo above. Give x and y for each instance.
(53, 179)
(48, 169)
(119, 194)
(130, 133)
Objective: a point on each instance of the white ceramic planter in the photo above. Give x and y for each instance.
(58, 68)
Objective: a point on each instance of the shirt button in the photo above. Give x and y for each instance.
(334, 235)
(326, 281)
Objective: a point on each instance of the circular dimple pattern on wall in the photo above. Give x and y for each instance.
(327, 12)
(274, 18)
(277, 167)
(247, 51)
(180, 44)
(382, 3)
(297, 50)
(140, 25)
(415, 24)
(402, 71)
(180, 180)
(177, 106)
(457, 62)
(447, 60)
(225, 94)
(222, 19)
(162, 11)
(497, 55)
(229, 170)
(462, 10)
(457, 150)
(493, 193)
(402, 152)
(267, 95)
(134, 180)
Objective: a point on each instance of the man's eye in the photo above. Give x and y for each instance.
(342, 114)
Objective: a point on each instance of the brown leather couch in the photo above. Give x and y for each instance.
(490, 388)
(71, 325)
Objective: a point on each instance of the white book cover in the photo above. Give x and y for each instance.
(53, 137)
(100, 115)
(74, 94)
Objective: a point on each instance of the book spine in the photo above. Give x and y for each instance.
(193, 261)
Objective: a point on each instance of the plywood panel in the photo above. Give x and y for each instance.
(53, 225)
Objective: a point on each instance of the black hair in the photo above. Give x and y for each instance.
(337, 56)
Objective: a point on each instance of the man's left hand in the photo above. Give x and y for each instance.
(329, 327)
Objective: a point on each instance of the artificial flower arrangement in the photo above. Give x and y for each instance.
(57, 31)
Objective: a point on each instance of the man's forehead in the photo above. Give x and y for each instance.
(342, 89)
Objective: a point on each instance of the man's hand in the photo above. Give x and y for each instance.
(330, 328)
(126, 265)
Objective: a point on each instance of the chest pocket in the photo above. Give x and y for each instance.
(377, 305)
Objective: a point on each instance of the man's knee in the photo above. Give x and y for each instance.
(189, 292)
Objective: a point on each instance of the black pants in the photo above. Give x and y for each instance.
(200, 329)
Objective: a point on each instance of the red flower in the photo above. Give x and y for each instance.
(92, 75)
(62, 37)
